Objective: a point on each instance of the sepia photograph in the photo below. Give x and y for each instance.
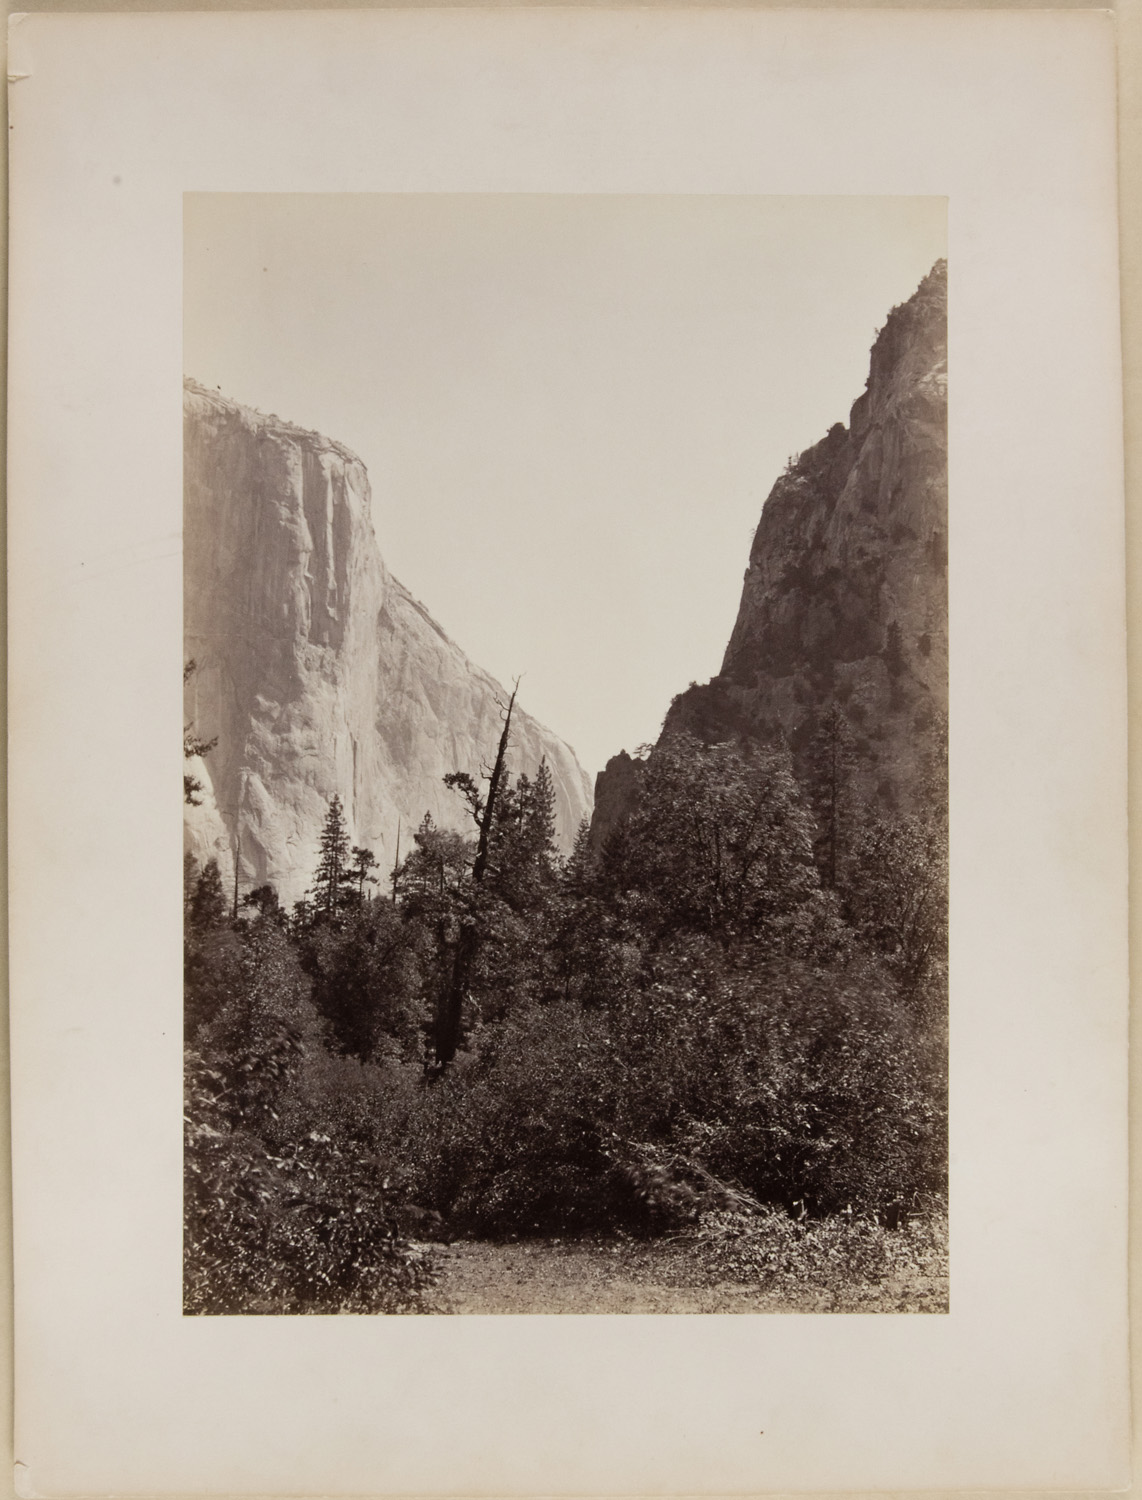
(565, 919)
(624, 510)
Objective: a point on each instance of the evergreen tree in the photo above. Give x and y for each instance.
(450, 1007)
(207, 910)
(831, 760)
(579, 868)
(523, 856)
(332, 878)
(264, 900)
(209, 946)
(367, 981)
(581, 928)
(539, 846)
(435, 870)
(193, 747)
(364, 863)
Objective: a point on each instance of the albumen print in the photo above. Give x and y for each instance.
(565, 918)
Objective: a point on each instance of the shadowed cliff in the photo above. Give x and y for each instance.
(844, 604)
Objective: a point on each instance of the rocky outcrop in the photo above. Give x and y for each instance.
(618, 787)
(845, 597)
(315, 669)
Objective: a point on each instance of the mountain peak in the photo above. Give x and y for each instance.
(844, 602)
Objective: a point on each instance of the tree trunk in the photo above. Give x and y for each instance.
(450, 1011)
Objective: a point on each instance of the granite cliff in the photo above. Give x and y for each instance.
(317, 672)
(844, 602)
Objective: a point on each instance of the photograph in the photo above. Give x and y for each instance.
(475, 1021)
(624, 508)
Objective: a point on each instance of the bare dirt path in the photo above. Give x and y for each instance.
(542, 1276)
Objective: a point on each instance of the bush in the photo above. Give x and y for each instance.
(367, 978)
(285, 1206)
(306, 1229)
(800, 1085)
(851, 1258)
(707, 1076)
(513, 1139)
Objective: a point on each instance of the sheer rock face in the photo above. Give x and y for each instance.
(316, 670)
(845, 596)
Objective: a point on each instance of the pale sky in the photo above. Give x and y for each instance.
(571, 408)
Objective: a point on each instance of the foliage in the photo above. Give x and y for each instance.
(433, 876)
(285, 1207)
(332, 886)
(206, 905)
(299, 1229)
(364, 863)
(192, 747)
(846, 1258)
(366, 973)
(787, 1085)
(211, 951)
(722, 844)
(727, 1016)
(897, 892)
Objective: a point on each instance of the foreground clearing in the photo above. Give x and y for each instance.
(655, 1276)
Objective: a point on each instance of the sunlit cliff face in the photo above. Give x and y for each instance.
(315, 669)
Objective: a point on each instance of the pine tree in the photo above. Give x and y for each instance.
(207, 907)
(264, 900)
(579, 869)
(434, 870)
(523, 857)
(332, 877)
(830, 768)
(193, 748)
(541, 816)
(364, 863)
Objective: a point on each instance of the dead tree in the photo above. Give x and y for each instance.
(450, 1010)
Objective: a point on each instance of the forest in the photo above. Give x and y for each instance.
(728, 1023)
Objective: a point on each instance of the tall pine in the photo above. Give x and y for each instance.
(332, 881)
(831, 760)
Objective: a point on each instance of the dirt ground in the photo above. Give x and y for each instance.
(553, 1276)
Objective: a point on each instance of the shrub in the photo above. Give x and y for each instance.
(513, 1139)
(703, 1077)
(302, 1229)
(849, 1257)
(285, 1206)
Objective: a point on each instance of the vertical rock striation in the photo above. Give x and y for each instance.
(316, 670)
(845, 596)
